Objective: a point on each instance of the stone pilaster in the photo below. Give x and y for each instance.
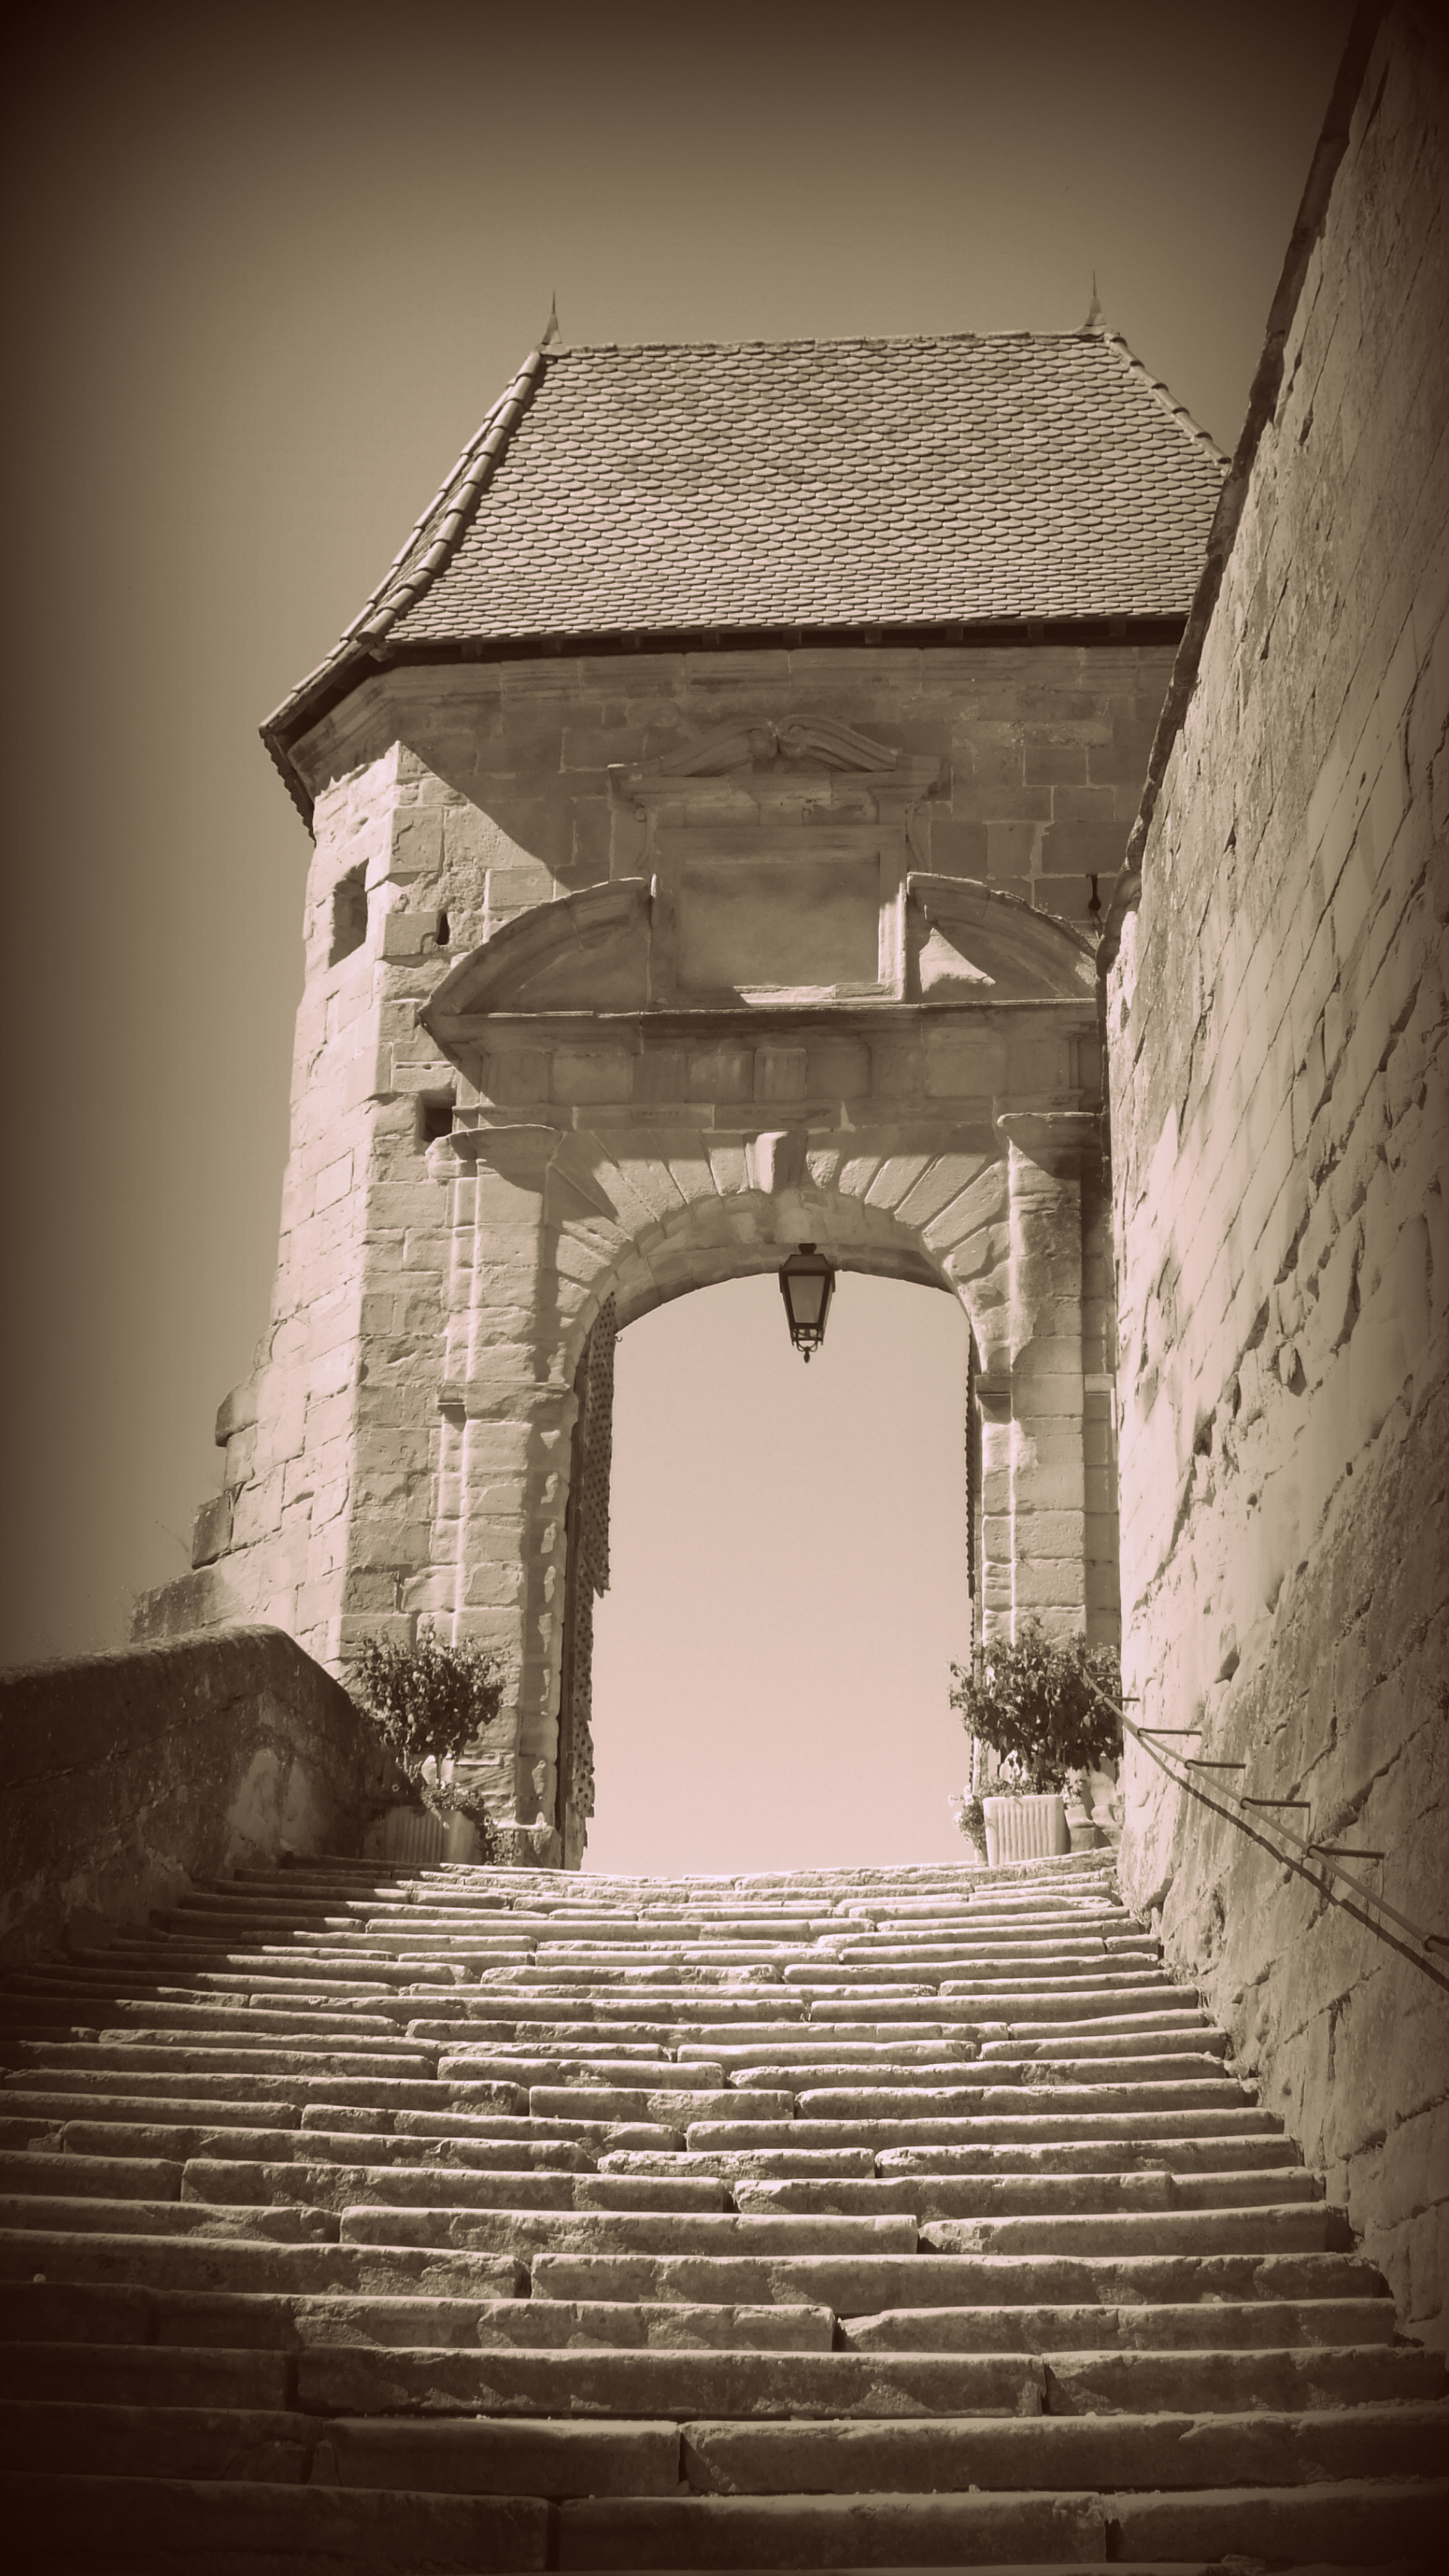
(1047, 1544)
(507, 1418)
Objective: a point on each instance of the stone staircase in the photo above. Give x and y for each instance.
(498, 2219)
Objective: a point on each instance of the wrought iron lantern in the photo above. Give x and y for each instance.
(807, 1284)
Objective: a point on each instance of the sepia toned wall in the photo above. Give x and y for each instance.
(1278, 1060)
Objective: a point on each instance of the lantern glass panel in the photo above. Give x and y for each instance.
(807, 1295)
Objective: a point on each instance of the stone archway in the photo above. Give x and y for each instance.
(619, 1140)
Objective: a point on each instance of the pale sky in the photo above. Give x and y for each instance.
(268, 268)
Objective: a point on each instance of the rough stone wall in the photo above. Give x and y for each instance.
(123, 1777)
(1278, 1062)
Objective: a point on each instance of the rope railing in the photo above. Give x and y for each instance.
(1319, 1862)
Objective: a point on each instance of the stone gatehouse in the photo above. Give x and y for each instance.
(714, 811)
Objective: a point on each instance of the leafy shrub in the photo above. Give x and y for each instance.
(428, 1701)
(971, 1817)
(1031, 1701)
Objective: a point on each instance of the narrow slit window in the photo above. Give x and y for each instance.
(349, 915)
(435, 1120)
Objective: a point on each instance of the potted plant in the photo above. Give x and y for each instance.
(1031, 1700)
(428, 1701)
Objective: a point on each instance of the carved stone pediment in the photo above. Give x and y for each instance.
(969, 942)
(762, 744)
(618, 949)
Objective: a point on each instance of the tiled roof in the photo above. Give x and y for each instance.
(897, 483)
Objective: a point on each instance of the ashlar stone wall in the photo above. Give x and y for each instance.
(1278, 1062)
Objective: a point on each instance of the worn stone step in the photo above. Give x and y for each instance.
(278, 2092)
(485, 2457)
(764, 2164)
(246, 2259)
(48, 2212)
(1198, 2326)
(1235, 2153)
(677, 2106)
(861, 2284)
(119, 2374)
(674, 2383)
(583, 2130)
(176, 2527)
(1069, 2073)
(866, 2083)
(1083, 2046)
(529, 2235)
(1032, 2195)
(601, 2074)
(1033, 2127)
(131, 2108)
(902, 2533)
(763, 2053)
(322, 2144)
(939, 2101)
(1188, 2383)
(111, 2177)
(123, 2052)
(279, 2320)
(1275, 2227)
(1112, 2451)
(1325, 2526)
(341, 2186)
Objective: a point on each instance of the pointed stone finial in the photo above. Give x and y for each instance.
(1093, 321)
(552, 333)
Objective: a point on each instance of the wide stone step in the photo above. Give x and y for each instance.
(863, 2384)
(600, 2235)
(280, 2321)
(118, 2374)
(1030, 2128)
(1202, 2325)
(174, 2527)
(109, 2177)
(45, 2107)
(1277, 2227)
(675, 2384)
(947, 2102)
(323, 2144)
(1033, 2195)
(858, 2284)
(1328, 2525)
(246, 2259)
(554, 2458)
(439, 2185)
(155, 2219)
(121, 2053)
(1238, 2151)
(1113, 2451)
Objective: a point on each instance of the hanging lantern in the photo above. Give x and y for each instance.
(807, 1284)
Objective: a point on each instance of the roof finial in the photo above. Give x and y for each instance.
(552, 333)
(1093, 321)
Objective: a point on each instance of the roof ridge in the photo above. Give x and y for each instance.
(390, 597)
(452, 505)
(802, 340)
(1162, 393)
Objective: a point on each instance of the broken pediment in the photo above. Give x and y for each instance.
(760, 743)
(968, 942)
(587, 952)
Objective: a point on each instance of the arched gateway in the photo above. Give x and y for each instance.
(708, 838)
